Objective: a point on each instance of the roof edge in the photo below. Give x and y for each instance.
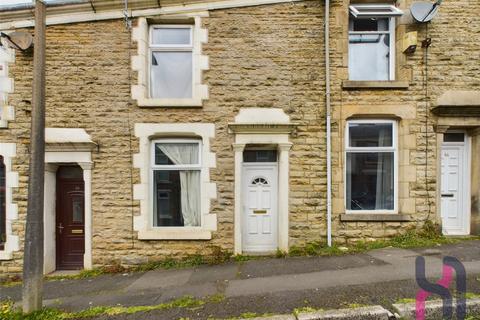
(83, 11)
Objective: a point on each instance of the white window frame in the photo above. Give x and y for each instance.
(393, 148)
(140, 63)
(169, 48)
(390, 31)
(176, 167)
(382, 10)
(12, 244)
(2, 244)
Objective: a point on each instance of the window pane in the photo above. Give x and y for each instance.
(176, 199)
(77, 209)
(171, 36)
(171, 75)
(368, 57)
(176, 153)
(370, 134)
(260, 156)
(368, 24)
(3, 218)
(70, 172)
(370, 181)
(454, 137)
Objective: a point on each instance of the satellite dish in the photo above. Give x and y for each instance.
(424, 11)
(17, 40)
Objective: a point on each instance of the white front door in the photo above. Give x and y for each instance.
(454, 189)
(260, 216)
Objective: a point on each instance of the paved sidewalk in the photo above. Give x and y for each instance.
(265, 286)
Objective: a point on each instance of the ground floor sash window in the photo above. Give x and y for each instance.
(371, 165)
(176, 183)
(3, 211)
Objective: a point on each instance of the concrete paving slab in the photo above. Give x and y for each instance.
(434, 309)
(364, 313)
(197, 291)
(214, 273)
(400, 270)
(393, 255)
(67, 288)
(278, 317)
(270, 267)
(286, 301)
(161, 279)
(313, 280)
(79, 303)
(466, 251)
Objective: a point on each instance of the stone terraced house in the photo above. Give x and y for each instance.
(197, 126)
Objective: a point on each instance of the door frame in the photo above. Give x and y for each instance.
(266, 126)
(261, 165)
(283, 148)
(467, 181)
(54, 159)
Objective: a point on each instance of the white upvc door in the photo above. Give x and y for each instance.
(260, 214)
(455, 189)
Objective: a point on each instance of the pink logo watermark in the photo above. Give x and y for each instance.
(441, 288)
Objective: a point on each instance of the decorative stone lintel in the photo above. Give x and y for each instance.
(238, 147)
(459, 98)
(456, 111)
(375, 217)
(61, 147)
(262, 127)
(441, 129)
(86, 165)
(285, 146)
(474, 132)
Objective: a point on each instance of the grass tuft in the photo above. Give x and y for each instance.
(427, 236)
(297, 311)
(9, 312)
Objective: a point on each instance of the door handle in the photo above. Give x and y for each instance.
(447, 195)
(60, 228)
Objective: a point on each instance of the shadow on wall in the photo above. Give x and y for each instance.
(475, 217)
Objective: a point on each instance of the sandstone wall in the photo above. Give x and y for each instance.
(267, 56)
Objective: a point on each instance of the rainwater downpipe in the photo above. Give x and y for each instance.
(329, 137)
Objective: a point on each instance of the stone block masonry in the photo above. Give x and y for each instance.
(263, 56)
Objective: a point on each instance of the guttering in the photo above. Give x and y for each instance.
(329, 136)
(31, 6)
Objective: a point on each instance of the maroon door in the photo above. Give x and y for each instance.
(70, 230)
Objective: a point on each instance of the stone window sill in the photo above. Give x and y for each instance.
(5, 255)
(374, 217)
(353, 85)
(170, 103)
(175, 234)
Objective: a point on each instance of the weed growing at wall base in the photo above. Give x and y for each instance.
(9, 312)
